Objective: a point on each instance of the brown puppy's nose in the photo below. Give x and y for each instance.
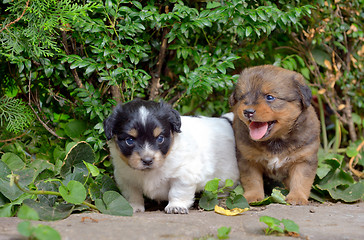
(147, 161)
(248, 113)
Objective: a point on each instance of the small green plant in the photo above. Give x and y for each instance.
(210, 196)
(275, 226)
(37, 232)
(222, 233)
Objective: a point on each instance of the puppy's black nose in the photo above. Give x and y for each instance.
(147, 161)
(248, 113)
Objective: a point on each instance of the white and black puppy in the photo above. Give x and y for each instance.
(164, 156)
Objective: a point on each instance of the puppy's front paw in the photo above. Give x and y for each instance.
(176, 209)
(137, 207)
(296, 199)
(254, 196)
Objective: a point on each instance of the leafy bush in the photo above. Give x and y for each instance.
(72, 61)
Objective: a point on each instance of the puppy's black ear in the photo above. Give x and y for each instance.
(232, 99)
(172, 115)
(109, 125)
(304, 91)
(175, 120)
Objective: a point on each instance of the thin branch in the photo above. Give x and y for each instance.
(36, 114)
(16, 20)
(73, 71)
(12, 139)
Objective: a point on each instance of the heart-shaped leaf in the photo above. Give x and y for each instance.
(74, 193)
(113, 203)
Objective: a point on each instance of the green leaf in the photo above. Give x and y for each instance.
(113, 203)
(74, 193)
(10, 191)
(207, 203)
(6, 210)
(75, 128)
(248, 31)
(92, 169)
(229, 183)
(212, 4)
(48, 213)
(290, 226)
(334, 179)
(80, 152)
(25, 228)
(351, 151)
(239, 201)
(223, 232)
(352, 193)
(212, 185)
(273, 224)
(138, 5)
(13, 161)
(222, 68)
(48, 70)
(44, 232)
(278, 197)
(27, 213)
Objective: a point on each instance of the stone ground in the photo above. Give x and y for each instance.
(316, 221)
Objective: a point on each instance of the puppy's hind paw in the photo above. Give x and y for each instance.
(176, 210)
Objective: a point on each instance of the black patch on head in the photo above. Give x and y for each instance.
(127, 116)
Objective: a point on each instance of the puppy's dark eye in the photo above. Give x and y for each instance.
(129, 141)
(269, 98)
(160, 139)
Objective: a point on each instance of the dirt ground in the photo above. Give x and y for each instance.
(316, 221)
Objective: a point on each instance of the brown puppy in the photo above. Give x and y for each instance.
(276, 131)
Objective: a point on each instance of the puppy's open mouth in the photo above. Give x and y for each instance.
(259, 130)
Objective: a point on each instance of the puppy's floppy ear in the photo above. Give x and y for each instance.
(109, 124)
(175, 120)
(232, 99)
(172, 115)
(303, 90)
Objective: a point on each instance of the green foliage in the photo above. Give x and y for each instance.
(38, 232)
(275, 226)
(14, 114)
(335, 183)
(77, 182)
(210, 196)
(222, 233)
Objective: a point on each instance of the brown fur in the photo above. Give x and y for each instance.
(287, 153)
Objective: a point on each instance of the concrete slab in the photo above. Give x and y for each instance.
(316, 221)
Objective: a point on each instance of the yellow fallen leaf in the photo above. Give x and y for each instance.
(232, 212)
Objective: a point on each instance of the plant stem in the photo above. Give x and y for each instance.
(337, 135)
(323, 125)
(42, 192)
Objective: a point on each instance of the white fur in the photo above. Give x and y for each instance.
(143, 114)
(204, 150)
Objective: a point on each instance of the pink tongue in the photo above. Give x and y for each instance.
(258, 130)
